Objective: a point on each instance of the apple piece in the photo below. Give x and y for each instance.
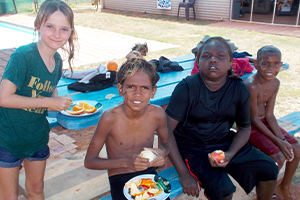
(218, 155)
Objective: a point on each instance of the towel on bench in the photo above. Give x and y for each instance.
(98, 82)
(165, 65)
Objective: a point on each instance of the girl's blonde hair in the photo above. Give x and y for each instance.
(49, 7)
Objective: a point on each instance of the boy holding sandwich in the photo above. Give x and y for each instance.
(129, 128)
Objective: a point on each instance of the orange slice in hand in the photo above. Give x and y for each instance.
(79, 106)
(88, 108)
(73, 112)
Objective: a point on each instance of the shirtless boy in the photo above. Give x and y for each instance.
(266, 134)
(129, 128)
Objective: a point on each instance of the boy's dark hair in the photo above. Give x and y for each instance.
(142, 48)
(267, 49)
(227, 46)
(133, 65)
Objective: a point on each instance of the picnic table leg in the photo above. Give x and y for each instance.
(23, 191)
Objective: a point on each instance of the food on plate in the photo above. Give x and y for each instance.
(78, 106)
(89, 108)
(73, 112)
(112, 66)
(218, 155)
(136, 181)
(143, 188)
(148, 154)
(81, 108)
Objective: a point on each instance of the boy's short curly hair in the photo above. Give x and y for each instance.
(266, 50)
(133, 65)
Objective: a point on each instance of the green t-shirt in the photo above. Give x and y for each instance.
(26, 131)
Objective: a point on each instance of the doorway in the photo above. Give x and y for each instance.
(277, 12)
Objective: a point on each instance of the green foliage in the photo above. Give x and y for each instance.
(28, 5)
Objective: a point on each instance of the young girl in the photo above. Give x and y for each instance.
(27, 90)
(201, 112)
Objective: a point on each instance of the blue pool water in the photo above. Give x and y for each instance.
(13, 36)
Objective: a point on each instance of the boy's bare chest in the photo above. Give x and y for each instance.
(134, 131)
(264, 94)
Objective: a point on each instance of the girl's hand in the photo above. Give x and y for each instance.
(136, 163)
(60, 103)
(287, 150)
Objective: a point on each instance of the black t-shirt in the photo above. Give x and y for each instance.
(205, 117)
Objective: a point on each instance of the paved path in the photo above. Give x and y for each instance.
(263, 28)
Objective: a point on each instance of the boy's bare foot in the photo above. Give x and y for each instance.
(283, 193)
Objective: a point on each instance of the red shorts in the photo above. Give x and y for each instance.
(263, 143)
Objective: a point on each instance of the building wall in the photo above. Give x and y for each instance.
(205, 9)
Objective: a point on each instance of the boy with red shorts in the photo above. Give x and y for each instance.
(266, 134)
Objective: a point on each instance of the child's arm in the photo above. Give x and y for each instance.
(162, 132)
(9, 99)
(283, 144)
(277, 136)
(103, 131)
(189, 184)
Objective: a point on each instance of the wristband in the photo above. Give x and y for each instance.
(284, 139)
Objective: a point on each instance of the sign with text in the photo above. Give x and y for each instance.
(164, 4)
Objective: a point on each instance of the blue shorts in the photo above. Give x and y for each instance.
(8, 160)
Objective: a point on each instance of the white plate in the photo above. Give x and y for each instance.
(92, 103)
(161, 196)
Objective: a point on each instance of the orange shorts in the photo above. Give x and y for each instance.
(263, 143)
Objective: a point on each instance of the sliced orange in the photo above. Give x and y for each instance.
(73, 112)
(78, 106)
(89, 108)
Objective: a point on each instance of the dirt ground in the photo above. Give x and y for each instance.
(83, 137)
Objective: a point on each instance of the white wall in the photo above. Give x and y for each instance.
(205, 9)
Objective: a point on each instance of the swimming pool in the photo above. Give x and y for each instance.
(13, 36)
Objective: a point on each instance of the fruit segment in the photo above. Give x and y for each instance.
(218, 155)
(88, 108)
(81, 108)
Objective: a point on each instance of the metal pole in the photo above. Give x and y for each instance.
(252, 3)
(230, 14)
(274, 11)
(297, 21)
(15, 6)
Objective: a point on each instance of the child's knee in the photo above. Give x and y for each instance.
(296, 149)
(278, 158)
(220, 189)
(36, 187)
